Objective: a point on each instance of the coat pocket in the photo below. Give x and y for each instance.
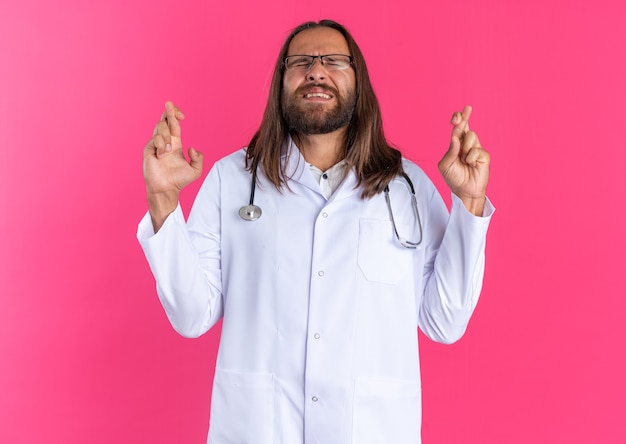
(386, 411)
(381, 258)
(242, 408)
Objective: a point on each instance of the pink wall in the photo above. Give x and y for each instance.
(87, 355)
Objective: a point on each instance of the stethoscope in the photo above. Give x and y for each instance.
(252, 212)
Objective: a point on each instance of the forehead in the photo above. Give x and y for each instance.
(317, 41)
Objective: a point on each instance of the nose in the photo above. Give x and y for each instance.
(317, 70)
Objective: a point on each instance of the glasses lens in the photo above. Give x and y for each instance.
(336, 61)
(298, 62)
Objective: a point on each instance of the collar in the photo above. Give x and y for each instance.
(296, 169)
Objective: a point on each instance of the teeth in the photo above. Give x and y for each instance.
(321, 95)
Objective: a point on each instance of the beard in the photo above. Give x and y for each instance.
(314, 118)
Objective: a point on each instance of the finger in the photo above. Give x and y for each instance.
(172, 117)
(467, 112)
(470, 140)
(462, 118)
(160, 146)
(477, 155)
(163, 130)
(179, 115)
(195, 160)
(460, 128)
(457, 137)
(163, 119)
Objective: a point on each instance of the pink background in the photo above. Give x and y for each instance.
(86, 352)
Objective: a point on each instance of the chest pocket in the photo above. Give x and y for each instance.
(381, 258)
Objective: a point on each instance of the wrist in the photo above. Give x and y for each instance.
(161, 205)
(475, 205)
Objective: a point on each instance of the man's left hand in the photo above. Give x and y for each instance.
(465, 166)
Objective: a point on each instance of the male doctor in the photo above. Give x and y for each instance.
(312, 247)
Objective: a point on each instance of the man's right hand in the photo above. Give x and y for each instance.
(165, 168)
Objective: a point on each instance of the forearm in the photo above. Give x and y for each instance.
(452, 289)
(190, 293)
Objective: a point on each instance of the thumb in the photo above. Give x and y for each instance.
(450, 156)
(196, 159)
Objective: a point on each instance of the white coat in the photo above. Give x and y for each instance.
(320, 302)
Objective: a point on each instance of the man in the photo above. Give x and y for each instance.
(321, 295)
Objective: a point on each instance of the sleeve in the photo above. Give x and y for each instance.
(185, 261)
(454, 269)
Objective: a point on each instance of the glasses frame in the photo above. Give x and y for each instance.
(322, 61)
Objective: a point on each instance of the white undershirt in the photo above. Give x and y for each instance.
(330, 179)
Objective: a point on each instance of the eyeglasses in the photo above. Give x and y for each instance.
(332, 62)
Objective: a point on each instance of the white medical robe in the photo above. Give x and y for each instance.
(320, 302)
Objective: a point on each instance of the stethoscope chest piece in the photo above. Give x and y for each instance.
(250, 212)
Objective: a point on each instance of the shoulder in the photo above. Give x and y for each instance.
(227, 168)
(425, 188)
(417, 175)
(411, 168)
(236, 159)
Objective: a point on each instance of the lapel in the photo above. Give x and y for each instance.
(296, 168)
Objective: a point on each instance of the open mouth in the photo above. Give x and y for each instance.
(316, 92)
(317, 95)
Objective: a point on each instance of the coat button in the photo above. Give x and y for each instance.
(320, 273)
(314, 399)
(316, 335)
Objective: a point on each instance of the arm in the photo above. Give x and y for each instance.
(455, 266)
(188, 280)
(453, 273)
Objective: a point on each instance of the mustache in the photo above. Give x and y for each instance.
(327, 88)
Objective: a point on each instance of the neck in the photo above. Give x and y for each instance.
(322, 150)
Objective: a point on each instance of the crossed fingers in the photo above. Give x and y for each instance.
(166, 128)
(463, 139)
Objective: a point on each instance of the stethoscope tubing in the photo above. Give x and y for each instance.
(252, 212)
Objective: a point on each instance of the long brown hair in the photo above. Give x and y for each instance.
(366, 150)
